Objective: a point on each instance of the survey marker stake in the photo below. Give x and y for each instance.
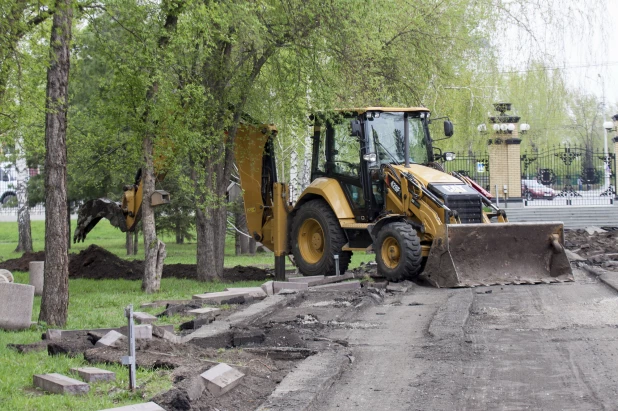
(130, 359)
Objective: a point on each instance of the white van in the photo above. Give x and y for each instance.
(8, 182)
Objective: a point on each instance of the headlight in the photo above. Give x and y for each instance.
(449, 156)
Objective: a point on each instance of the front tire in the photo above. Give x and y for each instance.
(316, 238)
(398, 252)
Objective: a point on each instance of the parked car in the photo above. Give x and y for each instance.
(8, 182)
(532, 189)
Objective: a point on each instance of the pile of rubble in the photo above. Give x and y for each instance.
(594, 246)
(277, 326)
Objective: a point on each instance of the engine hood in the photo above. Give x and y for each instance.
(428, 175)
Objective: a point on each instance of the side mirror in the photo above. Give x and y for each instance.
(357, 129)
(448, 128)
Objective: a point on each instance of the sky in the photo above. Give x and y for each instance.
(579, 37)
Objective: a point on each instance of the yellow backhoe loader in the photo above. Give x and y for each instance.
(377, 183)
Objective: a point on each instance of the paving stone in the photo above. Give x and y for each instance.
(158, 330)
(248, 337)
(380, 285)
(309, 280)
(142, 332)
(284, 285)
(59, 384)
(255, 292)
(16, 306)
(205, 310)
(345, 286)
(146, 406)
(163, 303)
(268, 288)
(396, 288)
(111, 339)
(226, 297)
(286, 291)
(93, 374)
(7, 274)
(143, 318)
(221, 378)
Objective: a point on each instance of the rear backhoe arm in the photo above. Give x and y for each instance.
(124, 215)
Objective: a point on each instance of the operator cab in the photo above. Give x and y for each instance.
(353, 146)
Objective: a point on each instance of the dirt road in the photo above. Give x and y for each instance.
(541, 347)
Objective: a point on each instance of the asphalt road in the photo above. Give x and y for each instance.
(520, 347)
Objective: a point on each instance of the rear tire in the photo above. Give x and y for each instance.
(316, 238)
(398, 252)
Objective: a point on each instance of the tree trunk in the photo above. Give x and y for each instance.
(55, 301)
(210, 227)
(135, 241)
(129, 243)
(24, 244)
(154, 249)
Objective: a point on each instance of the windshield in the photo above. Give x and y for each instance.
(386, 134)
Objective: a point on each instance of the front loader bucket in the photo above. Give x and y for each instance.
(502, 253)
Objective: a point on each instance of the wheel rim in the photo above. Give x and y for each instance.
(311, 241)
(391, 252)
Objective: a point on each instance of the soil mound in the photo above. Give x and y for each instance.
(99, 264)
(22, 263)
(598, 248)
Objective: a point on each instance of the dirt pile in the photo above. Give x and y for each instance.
(99, 264)
(599, 249)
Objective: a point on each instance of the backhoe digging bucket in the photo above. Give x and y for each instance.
(503, 253)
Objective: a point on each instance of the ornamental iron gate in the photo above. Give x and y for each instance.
(568, 176)
(475, 167)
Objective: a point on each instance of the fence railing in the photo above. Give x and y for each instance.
(474, 166)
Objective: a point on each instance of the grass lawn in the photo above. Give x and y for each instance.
(99, 304)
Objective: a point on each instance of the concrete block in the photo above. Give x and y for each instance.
(345, 286)
(143, 318)
(221, 378)
(284, 285)
(255, 292)
(223, 297)
(248, 337)
(309, 280)
(396, 288)
(37, 269)
(3, 279)
(201, 311)
(59, 384)
(7, 274)
(163, 303)
(146, 406)
(93, 374)
(111, 339)
(268, 288)
(142, 332)
(16, 306)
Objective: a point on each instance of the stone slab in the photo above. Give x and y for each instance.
(205, 310)
(255, 292)
(573, 256)
(335, 279)
(36, 275)
(223, 296)
(59, 384)
(3, 279)
(309, 280)
(221, 379)
(16, 306)
(268, 288)
(146, 406)
(163, 303)
(7, 274)
(611, 279)
(593, 230)
(93, 374)
(111, 339)
(144, 318)
(56, 334)
(248, 337)
(346, 286)
(285, 285)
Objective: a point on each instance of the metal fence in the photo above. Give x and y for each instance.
(568, 176)
(11, 210)
(474, 166)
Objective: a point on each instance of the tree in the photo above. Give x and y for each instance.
(55, 301)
